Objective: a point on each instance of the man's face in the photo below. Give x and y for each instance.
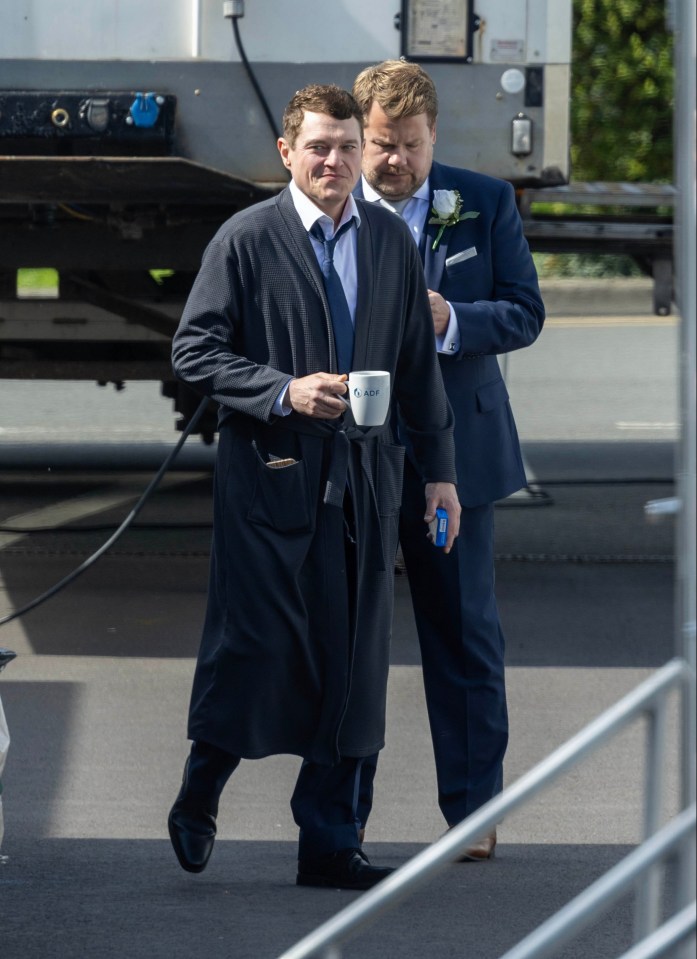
(398, 153)
(325, 160)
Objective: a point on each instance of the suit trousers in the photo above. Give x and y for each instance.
(324, 802)
(462, 653)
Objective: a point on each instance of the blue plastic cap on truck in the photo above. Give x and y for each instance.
(144, 110)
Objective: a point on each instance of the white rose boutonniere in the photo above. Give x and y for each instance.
(446, 211)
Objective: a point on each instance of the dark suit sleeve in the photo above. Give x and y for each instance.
(507, 312)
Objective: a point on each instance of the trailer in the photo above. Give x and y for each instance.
(129, 131)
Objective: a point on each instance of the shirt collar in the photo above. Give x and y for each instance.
(309, 213)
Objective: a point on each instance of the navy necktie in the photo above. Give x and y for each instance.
(338, 305)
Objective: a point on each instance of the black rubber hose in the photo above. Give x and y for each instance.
(253, 80)
(153, 484)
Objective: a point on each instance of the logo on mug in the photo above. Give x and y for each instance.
(357, 392)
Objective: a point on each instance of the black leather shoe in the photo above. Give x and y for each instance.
(346, 869)
(192, 832)
(191, 821)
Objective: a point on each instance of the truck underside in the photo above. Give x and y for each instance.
(125, 236)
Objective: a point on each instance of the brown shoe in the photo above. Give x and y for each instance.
(479, 851)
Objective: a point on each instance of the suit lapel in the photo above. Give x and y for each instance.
(364, 302)
(434, 260)
(303, 254)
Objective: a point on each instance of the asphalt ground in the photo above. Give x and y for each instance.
(96, 704)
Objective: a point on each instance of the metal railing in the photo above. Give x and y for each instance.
(640, 867)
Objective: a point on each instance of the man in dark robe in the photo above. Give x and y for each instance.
(295, 648)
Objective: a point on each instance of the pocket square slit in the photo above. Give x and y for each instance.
(461, 256)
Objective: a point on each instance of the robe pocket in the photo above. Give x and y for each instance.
(389, 478)
(281, 498)
(491, 396)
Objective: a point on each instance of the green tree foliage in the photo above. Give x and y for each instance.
(621, 91)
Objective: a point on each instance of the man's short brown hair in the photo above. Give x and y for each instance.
(318, 98)
(399, 88)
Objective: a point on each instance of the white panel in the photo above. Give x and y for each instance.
(502, 35)
(537, 29)
(272, 31)
(278, 31)
(556, 129)
(559, 26)
(549, 31)
(95, 30)
(354, 31)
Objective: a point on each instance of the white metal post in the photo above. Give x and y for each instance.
(648, 899)
(685, 255)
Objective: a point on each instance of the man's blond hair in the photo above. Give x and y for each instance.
(399, 88)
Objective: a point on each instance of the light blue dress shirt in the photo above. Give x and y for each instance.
(414, 212)
(344, 258)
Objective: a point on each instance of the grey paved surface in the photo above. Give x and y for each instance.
(96, 700)
(96, 706)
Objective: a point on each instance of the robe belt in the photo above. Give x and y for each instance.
(341, 438)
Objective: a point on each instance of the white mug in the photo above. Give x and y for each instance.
(369, 396)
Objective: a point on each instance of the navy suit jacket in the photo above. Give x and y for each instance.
(496, 298)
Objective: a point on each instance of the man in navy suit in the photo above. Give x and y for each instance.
(485, 300)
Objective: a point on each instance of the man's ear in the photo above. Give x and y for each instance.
(433, 132)
(284, 150)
